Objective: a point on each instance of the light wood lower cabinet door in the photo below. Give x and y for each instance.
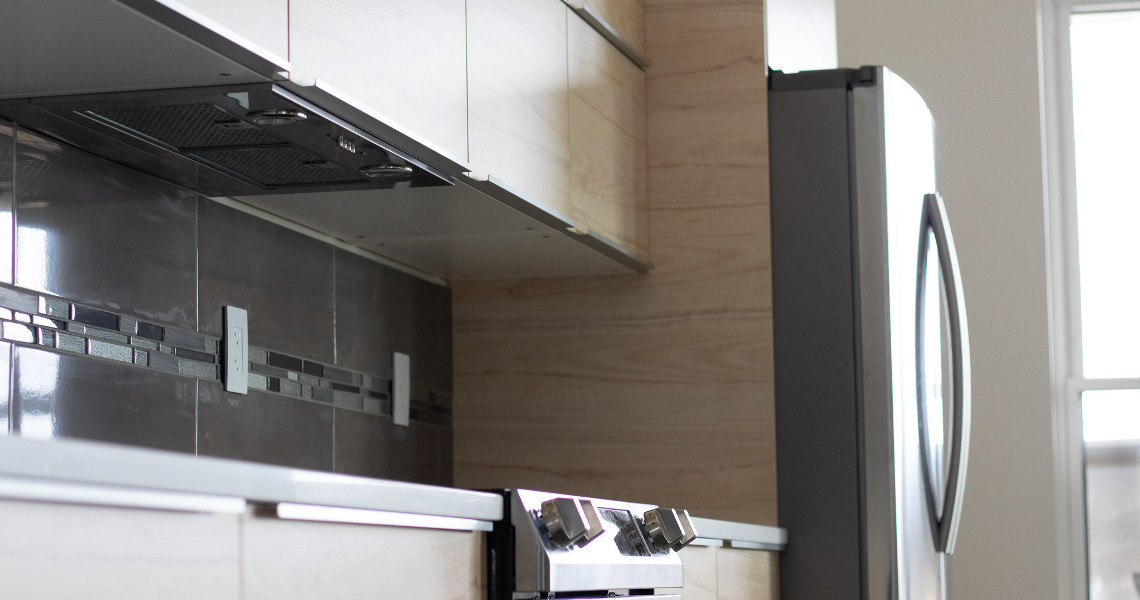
(717, 573)
(747, 575)
(518, 93)
(58, 551)
(403, 62)
(700, 573)
(607, 140)
(287, 560)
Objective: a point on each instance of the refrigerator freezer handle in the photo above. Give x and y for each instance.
(934, 216)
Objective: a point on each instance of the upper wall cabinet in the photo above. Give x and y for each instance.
(607, 140)
(403, 62)
(261, 26)
(558, 114)
(519, 97)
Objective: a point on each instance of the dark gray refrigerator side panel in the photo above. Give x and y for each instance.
(817, 374)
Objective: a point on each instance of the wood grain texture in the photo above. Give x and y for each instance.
(700, 573)
(261, 22)
(287, 560)
(627, 17)
(747, 574)
(607, 140)
(658, 387)
(56, 551)
(519, 97)
(376, 54)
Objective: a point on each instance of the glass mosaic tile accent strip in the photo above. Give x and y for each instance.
(48, 322)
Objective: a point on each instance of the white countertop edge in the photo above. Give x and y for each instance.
(111, 465)
(742, 535)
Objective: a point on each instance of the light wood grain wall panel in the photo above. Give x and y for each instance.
(607, 140)
(99, 553)
(747, 574)
(518, 92)
(652, 387)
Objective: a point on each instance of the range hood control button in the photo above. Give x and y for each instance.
(569, 521)
(387, 172)
(277, 116)
(669, 529)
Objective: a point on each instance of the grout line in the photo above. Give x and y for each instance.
(197, 412)
(14, 230)
(11, 388)
(11, 368)
(198, 264)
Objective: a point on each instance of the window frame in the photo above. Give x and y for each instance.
(1069, 382)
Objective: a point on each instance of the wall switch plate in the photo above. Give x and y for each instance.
(236, 355)
(401, 388)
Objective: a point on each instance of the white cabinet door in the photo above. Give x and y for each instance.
(403, 62)
(518, 85)
(259, 25)
(59, 551)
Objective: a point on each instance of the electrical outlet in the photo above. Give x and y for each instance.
(236, 354)
(401, 388)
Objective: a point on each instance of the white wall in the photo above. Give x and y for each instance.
(800, 34)
(975, 62)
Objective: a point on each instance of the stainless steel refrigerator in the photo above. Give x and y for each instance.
(871, 346)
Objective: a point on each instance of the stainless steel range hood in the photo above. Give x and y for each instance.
(227, 141)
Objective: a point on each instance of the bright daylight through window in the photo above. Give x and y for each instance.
(1105, 48)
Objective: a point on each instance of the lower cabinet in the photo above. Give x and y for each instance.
(284, 560)
(60, 551)
(719, 573)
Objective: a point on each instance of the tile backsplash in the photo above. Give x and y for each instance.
(143, 269)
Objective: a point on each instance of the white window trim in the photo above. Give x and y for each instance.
(1065, 315)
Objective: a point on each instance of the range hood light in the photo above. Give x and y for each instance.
(277, 116)
(387, 172)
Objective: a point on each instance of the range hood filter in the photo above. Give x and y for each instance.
(255, 139)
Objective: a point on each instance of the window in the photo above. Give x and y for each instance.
(1096, 145)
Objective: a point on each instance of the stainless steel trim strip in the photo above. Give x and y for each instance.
(600, 25)
(755, 546)
(335, 514)
(741, 535)
(12, 488)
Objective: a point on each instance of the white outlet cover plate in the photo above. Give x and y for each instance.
(237, 350)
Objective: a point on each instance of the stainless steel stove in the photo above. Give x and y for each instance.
(559, 546)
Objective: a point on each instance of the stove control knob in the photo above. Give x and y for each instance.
(669, 529)
(570, 521)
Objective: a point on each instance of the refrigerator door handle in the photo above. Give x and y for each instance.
(945, 528)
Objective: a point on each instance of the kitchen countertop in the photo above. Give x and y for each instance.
(84, 472)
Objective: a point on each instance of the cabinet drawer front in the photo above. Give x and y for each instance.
(284, 560)
(66, 551)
